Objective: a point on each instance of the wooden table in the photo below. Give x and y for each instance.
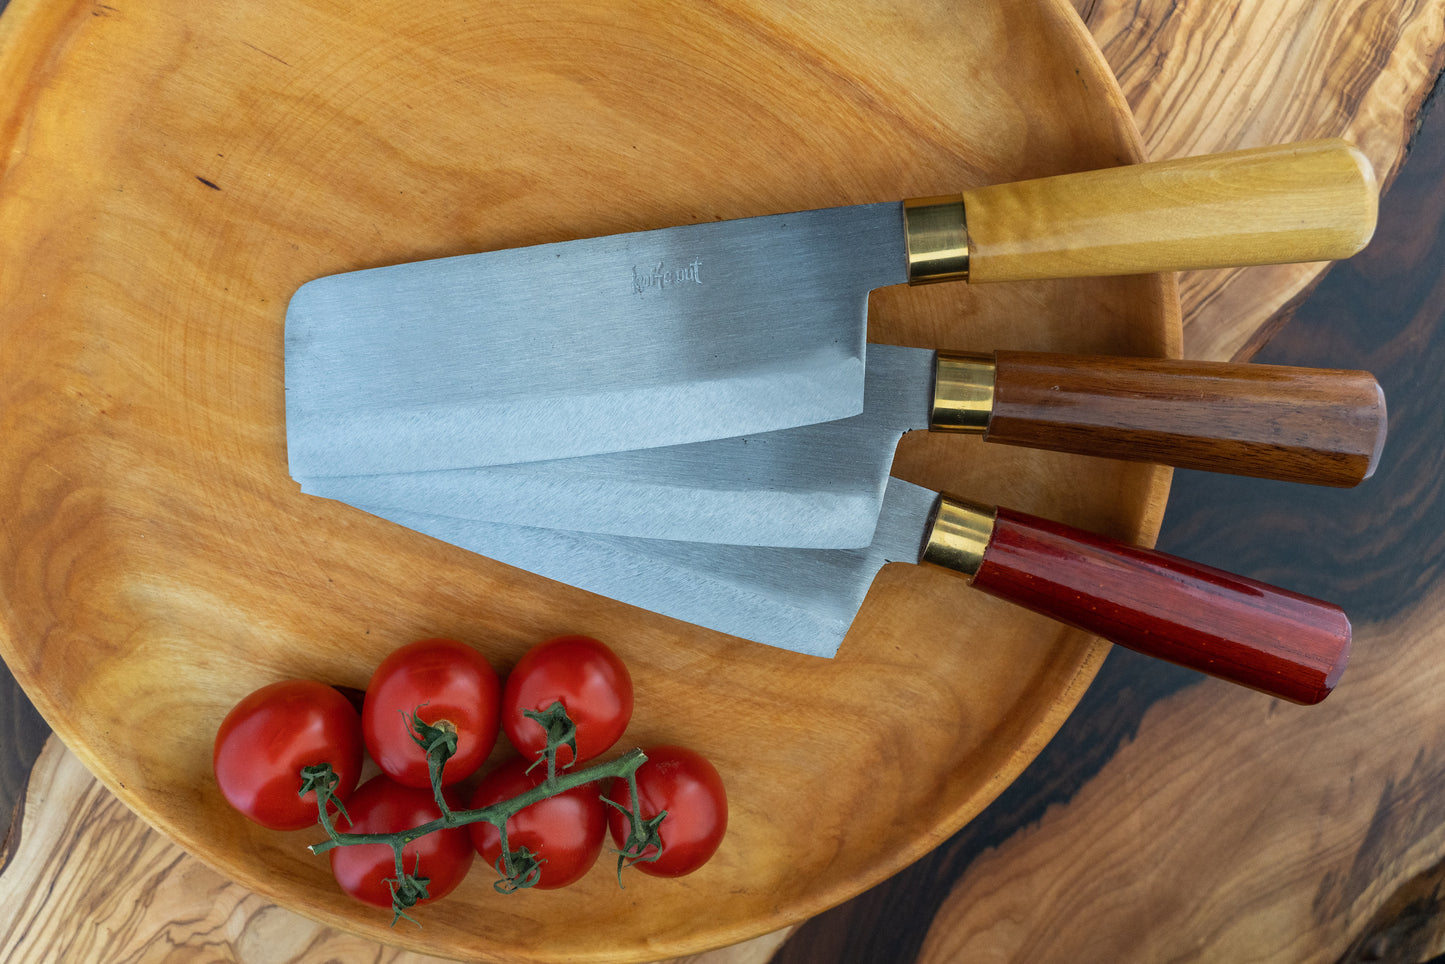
(1173, 817)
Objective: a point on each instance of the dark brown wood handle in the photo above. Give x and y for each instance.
(1320, 426)
(1227, 626)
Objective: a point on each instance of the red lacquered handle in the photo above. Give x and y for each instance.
(1237, 629)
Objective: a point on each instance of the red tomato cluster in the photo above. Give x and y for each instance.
(443, 690)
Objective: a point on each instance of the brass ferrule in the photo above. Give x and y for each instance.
(959, 535)
(963, 384)
(937, 238)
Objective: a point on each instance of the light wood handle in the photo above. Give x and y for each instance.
(1318, 426)
(1311, 201)
(1228, 626)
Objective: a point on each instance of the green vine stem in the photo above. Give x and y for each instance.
(561, 731)
(497, 814)
(641, 834)
(439, 743)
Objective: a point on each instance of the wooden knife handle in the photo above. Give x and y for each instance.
(1320, 426)
(1311, 201)
(1228, 626)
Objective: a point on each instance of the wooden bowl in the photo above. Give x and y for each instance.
(172, 173)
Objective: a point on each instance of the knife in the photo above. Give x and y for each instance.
(822, 485)
(732, 328)
(1228, 626)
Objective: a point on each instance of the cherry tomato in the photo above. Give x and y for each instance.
(381, 805)
(445, 683)
(270, 735)
(564, 831)
(688, 787)
(588, 680)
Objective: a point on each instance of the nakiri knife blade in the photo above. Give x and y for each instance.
(1228, 626)
(821, 485)
(730, 328)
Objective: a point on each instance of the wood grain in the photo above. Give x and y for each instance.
(1313, 201)
(92, 884)
(1174, 820)
(1312, 425)
(22, 734)
(1244, 73)
(1267, 64)
(1320, 823)
(1358, 69)
(171, 178)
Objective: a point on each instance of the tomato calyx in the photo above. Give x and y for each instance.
(407, 890)
(643, 844)
(437, 739)
(519, 869)
(561, 731)
(322, 780)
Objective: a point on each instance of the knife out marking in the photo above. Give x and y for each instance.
(661, 276)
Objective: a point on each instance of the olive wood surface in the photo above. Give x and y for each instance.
(1202, 77)
(1056, 858)
(1178, 822)
(172, 175)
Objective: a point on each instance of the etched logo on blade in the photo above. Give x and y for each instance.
(660, 276)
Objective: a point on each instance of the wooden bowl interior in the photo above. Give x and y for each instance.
(171, 176)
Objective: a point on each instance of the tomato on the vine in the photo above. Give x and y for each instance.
(381, 805)
(688, 787)
(268, 737)
(590, 682)
(564, 832)
(446, 683)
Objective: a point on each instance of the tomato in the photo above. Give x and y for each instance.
(446, 683)
(270, 735)
(565, 831)
(381, 805)
(588, 680)
(688, 787)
